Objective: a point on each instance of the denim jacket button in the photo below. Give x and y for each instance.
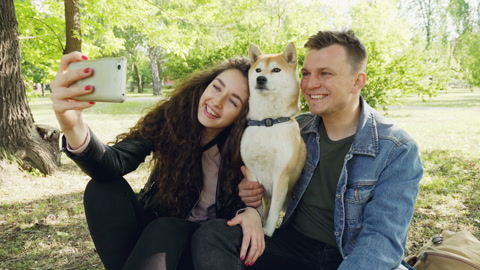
(336, 233)
(338, 196)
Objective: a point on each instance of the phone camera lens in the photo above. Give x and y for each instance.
(119, 67)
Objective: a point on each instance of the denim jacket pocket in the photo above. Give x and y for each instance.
(356, 197)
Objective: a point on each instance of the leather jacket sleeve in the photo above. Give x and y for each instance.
(101, 161)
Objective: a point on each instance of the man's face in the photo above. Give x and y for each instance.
(328, 82)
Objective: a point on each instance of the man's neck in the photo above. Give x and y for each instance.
(342, 126)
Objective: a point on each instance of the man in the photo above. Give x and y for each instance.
(352, 206)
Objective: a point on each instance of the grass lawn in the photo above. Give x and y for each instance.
(42, 223)
(449, 141)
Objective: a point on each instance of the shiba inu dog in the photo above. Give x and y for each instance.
(272, 147)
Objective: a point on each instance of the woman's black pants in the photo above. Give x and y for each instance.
(127, 236)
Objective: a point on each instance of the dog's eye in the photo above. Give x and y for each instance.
(258, 70)
(276, 70)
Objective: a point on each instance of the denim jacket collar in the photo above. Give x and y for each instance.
(366, 136)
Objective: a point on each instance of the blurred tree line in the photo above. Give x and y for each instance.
(414, 46)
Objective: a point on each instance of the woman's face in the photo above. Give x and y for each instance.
(222, 101)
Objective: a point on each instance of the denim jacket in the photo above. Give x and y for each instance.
(376, 192)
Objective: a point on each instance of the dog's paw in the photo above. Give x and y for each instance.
(268, 232)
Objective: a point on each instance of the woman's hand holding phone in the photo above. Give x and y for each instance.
(68, 110)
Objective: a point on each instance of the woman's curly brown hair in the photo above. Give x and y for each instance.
(173, 128)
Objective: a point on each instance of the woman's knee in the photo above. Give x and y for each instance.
(214, 232)
(171, 228)
(97, 190)
(109, 199)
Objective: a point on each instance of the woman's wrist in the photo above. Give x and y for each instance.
(76, 136)
(250, 209)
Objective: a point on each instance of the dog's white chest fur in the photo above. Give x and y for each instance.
(273, 154)
(268, 150)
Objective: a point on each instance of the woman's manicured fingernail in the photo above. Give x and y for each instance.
(87, 70)
(88, 87)
(242, 258)
(251, 264)
(92, 102)
(84, 57)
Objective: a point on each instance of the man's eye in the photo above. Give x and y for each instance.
(276, 70)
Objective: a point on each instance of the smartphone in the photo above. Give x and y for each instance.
(109, 79)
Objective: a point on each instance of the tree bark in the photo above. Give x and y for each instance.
(138, 78)
(157, 85)
(132, 86)
(72, 26)
(37, 147)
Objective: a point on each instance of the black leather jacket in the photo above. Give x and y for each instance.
(105, 163)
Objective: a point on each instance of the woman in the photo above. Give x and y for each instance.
(194, 137)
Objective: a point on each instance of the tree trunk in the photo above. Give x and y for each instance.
(36, 146)
(72, 26)
(132, 86)
(153, 55)
(138, 78)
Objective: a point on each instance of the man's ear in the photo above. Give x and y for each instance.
(360, 81)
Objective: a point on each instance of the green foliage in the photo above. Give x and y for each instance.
(410, 52)
(36, 173)
(42, 39)
(397, 63)
(468, 55)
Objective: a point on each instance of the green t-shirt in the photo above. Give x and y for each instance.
(315, 211)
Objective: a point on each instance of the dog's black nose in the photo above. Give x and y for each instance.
(261, 80)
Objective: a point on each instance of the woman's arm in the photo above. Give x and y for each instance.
(67, 110)
(102, 161)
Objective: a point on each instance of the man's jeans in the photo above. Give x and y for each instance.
(215, 245)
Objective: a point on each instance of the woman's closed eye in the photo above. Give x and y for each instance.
(233, 101)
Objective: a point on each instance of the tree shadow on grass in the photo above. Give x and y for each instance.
(449, 197)
(448, 172)
(48, 233)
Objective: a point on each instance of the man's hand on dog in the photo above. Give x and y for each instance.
(250, 192)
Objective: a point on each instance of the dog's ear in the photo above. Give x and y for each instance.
(290, 54)
(254, 53)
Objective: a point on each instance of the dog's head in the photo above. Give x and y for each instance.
(274, 76)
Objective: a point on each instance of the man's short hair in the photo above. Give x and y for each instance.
(356, 52)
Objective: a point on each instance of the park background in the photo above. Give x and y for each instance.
(423, 73)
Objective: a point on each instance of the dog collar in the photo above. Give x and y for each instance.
(267, 122)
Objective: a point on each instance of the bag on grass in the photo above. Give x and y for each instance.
(448, 251)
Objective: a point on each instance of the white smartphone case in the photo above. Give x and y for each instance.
(109, 79)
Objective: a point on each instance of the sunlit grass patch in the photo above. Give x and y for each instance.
(449, 197)
(132, 107)
(447, 172)
(452, 98)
